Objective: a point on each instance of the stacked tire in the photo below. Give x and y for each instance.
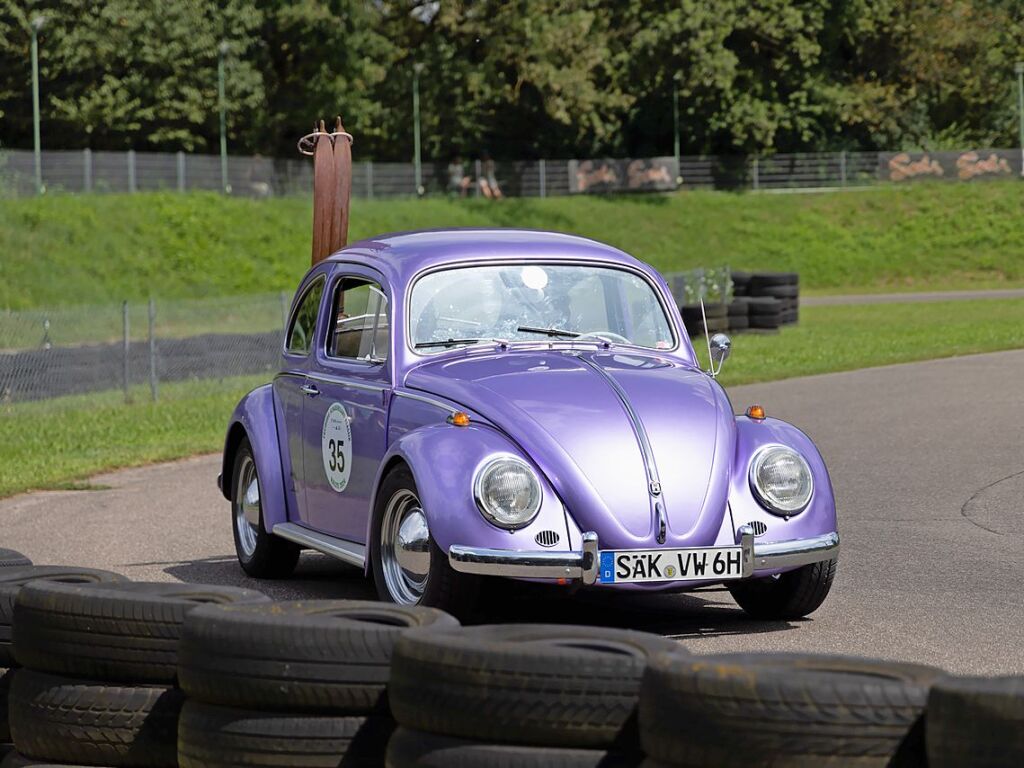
(739, 314)
(786, 710)
(98, 668)
(9, 558)
(717, 318)
(292, 683)
(519, 695)
(783, 287)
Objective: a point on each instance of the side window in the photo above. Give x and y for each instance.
(303, 327)
(359, 324)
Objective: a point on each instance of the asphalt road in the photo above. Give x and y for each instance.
(928, 464)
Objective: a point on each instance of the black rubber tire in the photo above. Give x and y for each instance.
(739, 307)
(519, 684)
(13, 579)
(5, 687)
(417, 749)
(766, 322)
(66, 720)
(12, 558)
(761, 280)
(976, 722)
(317, 656)
(119, 632)
(791, 595)
(15, 759)
(739, 323)
(223, 737)
(792, 710)
(781, 292)
(274, 557)
(446, 589)
(762, 305)
(740, 279)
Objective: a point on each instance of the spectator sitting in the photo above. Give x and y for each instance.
(458, 180)
(488, 181)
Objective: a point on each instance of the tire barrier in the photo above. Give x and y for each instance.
(98, 663)
(761, 301)
(537, 686)
(292, 683)
(247, 682)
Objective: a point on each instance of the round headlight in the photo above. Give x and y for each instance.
(507, 492)
(781, 480)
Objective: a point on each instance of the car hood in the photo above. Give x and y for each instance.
(582, 417)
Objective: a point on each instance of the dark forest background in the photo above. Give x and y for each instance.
(521, 78)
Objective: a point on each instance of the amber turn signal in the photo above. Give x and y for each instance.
(755, 412)
(459, 419)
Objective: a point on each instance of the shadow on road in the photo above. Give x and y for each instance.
(707, 613)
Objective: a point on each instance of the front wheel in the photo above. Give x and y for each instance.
(261, 554)
(790, 595)
(408, 566)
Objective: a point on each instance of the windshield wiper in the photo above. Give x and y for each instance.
(548, 331)
(453, 342)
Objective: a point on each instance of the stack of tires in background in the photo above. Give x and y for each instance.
(764, 300)
(292, 683)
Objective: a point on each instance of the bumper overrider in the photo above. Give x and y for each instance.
(583, 565)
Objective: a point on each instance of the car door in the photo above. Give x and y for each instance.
(345, 421)
(289, 385)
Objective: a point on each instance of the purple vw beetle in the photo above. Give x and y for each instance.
(467, 403)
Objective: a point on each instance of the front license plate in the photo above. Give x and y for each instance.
(695, 564)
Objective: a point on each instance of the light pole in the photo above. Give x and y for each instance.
(416, 69)
(1019, 69)
(222, 51)
(675, 126)
(36, 24)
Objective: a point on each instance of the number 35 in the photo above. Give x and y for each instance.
(337, 458)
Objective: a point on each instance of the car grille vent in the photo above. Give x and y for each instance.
(546, 538)
(758, 526)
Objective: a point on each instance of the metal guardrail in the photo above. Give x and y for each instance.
(85, 171)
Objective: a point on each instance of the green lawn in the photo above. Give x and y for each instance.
(64, 249)
(58, 443)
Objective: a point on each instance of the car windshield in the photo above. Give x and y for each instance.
(536, 302)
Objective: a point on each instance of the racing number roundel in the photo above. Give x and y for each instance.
(336, 446)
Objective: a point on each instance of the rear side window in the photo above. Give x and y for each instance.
(300, 333)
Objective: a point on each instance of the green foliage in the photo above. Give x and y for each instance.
(551, 78)
(61, 250)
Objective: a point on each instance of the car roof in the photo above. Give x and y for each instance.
(401, 255)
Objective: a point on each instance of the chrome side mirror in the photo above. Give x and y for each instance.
(719, 347)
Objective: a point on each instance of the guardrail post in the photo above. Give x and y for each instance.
(757, 181)
(131, 170)
(842, 168)
(181, 171)
(543, 178)
(126, 348)
(153, 381)
(369, 179)
(87, 170)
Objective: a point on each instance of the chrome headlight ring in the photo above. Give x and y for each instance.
(507, 491)
(781, 480)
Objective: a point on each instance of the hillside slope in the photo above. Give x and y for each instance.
(93, 249)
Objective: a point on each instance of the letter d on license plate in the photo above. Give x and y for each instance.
(695, 564)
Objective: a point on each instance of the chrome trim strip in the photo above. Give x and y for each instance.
(654, 484)
(789, 554)
(516, 563)
(424, 399)
(346, 382)
(347, 551)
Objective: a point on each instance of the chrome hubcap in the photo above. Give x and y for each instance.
(247, 507)
(405, 548)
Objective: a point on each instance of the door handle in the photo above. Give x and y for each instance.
(310, 390)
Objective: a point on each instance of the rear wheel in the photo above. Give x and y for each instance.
(790, 595)
(408, 566)
(261, 554)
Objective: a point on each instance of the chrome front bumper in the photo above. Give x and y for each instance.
(582, 566)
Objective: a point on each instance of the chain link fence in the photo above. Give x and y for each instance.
(84, 171)
(48, 353)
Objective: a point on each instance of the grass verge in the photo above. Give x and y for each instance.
(101, 249)
(58, 443)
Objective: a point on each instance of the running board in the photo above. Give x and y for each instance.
(347, 551)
